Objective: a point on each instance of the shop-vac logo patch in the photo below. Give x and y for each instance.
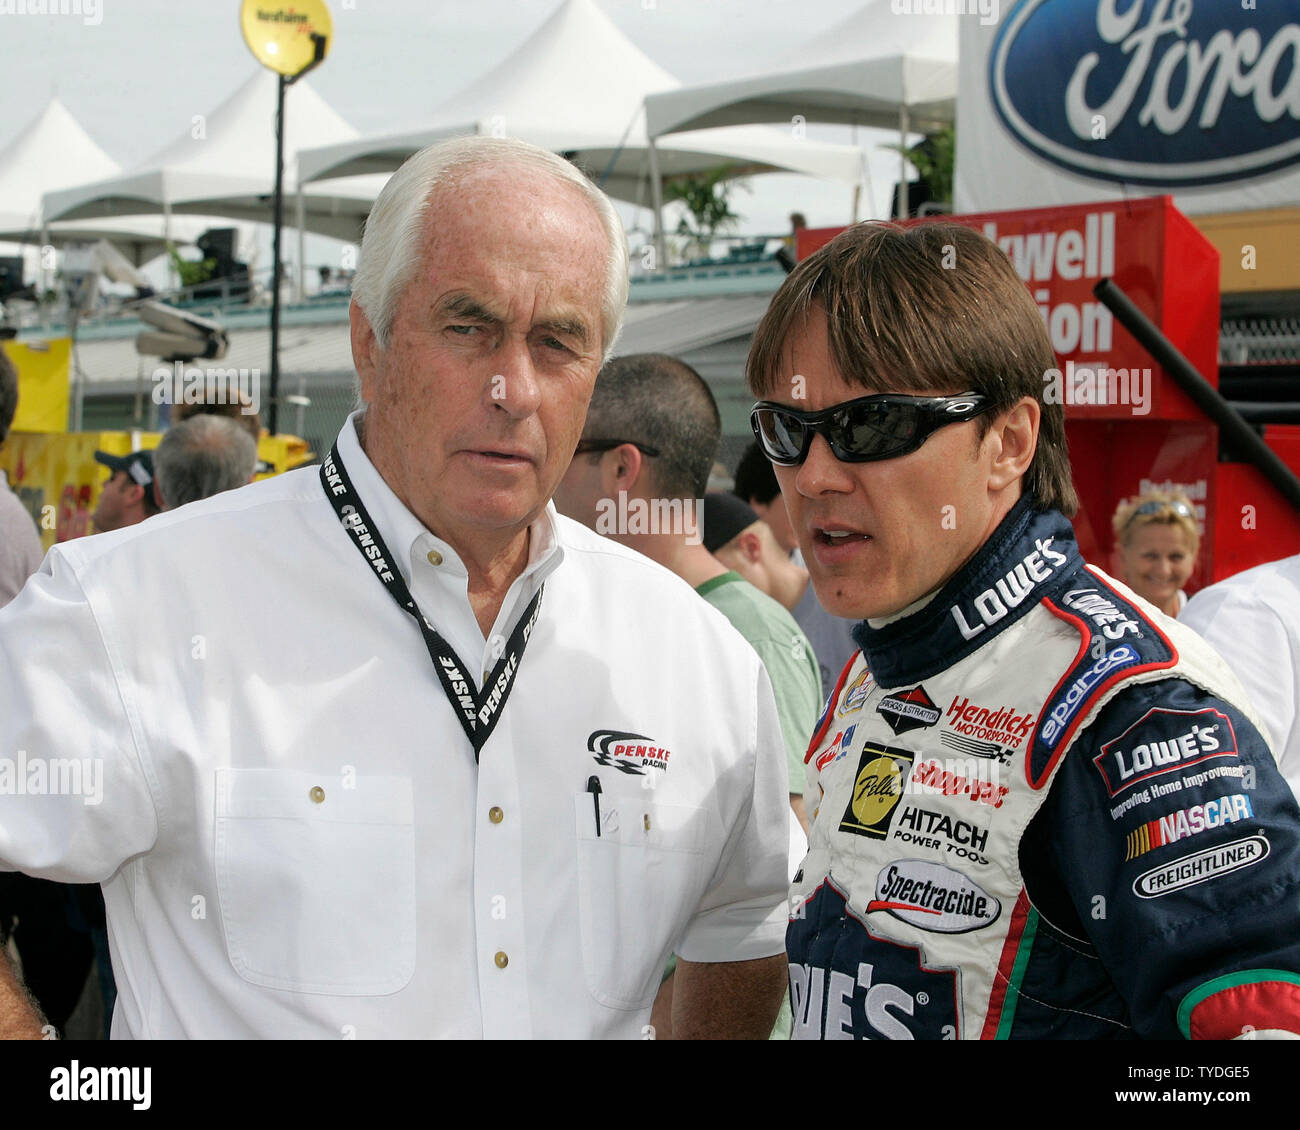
(627, 752)
(931, 896)
(908, 710)
(1170, 93)
(877, 787)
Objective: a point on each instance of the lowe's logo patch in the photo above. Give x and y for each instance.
(1171, 93)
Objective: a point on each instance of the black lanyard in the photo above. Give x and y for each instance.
(478, 711)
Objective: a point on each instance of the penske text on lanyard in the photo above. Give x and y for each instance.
(478, 711)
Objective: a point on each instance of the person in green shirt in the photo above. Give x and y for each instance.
(639, 475)
(770, 629)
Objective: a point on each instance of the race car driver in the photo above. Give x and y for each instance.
(1043, 808)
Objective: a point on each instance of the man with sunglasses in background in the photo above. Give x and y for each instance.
(1040, 810)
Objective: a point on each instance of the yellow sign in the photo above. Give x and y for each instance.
(280, 35)
(42, 384)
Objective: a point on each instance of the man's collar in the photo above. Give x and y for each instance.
(1030, 555)
(408, 538)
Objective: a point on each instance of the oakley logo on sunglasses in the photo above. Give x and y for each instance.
(864, 430)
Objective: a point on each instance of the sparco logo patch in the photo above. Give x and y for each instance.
(931, 896)
(627, 752)
(1002, 724)
(1187, 822)
(908, 710)
(1200, 867)
(1162, 742)
(1066, 704)
(877, 787)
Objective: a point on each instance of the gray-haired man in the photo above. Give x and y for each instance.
(200, 457)
(393, 750)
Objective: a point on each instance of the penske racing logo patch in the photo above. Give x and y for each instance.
(627, 752)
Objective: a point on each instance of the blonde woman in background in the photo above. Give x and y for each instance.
(1156, 542)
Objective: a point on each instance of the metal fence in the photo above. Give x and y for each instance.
(1259, 340)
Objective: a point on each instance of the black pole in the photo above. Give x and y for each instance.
(1238, 436)
(278, 220)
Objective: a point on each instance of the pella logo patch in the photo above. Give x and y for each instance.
(1164, 741)
(933, 897)
(877, 787)
(908, 710)
(627, 752)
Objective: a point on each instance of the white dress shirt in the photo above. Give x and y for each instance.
(1252, 619)
(291, 830)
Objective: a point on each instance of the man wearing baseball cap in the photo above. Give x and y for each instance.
(128, 495)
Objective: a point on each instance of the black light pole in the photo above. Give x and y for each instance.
(284, 80)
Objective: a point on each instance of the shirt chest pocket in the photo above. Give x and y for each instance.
(316, 880)
(639, 882)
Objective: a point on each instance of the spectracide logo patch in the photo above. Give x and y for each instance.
(878, 785)
(933, 897)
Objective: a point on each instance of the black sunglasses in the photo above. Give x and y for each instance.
(588, 446)
(860, 431)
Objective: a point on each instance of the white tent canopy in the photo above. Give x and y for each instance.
(859, 72)
(577, 87)
(224, 165)
(52, 152)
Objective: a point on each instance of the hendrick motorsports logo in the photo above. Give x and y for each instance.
(1200, 866)
(627, 752)
(933, 897)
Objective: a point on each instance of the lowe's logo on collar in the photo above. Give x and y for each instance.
(1009, 591)
(1171, 93)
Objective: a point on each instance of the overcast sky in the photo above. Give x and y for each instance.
(135, 79)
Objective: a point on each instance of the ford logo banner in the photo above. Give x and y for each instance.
(1169, 93)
